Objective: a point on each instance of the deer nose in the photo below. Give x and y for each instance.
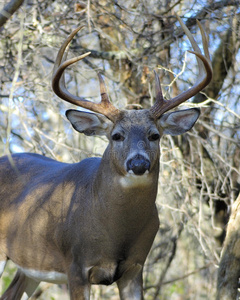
(138, 165)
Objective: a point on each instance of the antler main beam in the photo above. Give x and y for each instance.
(205, 75)
(58, 83)
(105, 107)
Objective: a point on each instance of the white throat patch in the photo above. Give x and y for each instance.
(131, 180)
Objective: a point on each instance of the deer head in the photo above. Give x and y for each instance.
(118, 125)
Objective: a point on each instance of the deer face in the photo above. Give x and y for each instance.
(134, 143)
(134, 136)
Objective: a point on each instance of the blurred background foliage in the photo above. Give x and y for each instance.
(199, 177)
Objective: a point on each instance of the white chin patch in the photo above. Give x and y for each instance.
(132, 180)
(132, 173)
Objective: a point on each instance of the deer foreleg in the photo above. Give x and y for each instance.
(130, 285)
(20, 285)
(79, 286)
(3, 261)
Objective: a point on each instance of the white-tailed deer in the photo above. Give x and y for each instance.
(92, 222)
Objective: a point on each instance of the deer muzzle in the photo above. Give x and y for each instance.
(138, 165)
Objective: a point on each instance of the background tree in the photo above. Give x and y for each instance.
(199, 177)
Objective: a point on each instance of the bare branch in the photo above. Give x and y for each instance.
(9, 10)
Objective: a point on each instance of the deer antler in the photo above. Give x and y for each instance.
(205, 74)
(58, 84)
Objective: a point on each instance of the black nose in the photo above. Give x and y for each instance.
(138, 164)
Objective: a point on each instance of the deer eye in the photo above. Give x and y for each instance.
(154, 137)
(117, 137)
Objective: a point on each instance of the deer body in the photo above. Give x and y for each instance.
(104, 228)
(101, 239)
(92, 222)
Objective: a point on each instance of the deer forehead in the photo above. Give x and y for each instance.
(138, 119)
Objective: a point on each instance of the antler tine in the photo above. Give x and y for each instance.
(205, 75)
(205, 41)
(103, 90)
(58, 84)
(159, 96)
(62, 49)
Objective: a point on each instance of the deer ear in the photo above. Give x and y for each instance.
(178, 122)
(89, 123)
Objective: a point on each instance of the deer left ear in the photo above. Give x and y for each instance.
(178, 122)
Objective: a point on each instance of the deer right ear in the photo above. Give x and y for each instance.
(89, 123)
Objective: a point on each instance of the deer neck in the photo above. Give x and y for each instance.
(118, 188)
